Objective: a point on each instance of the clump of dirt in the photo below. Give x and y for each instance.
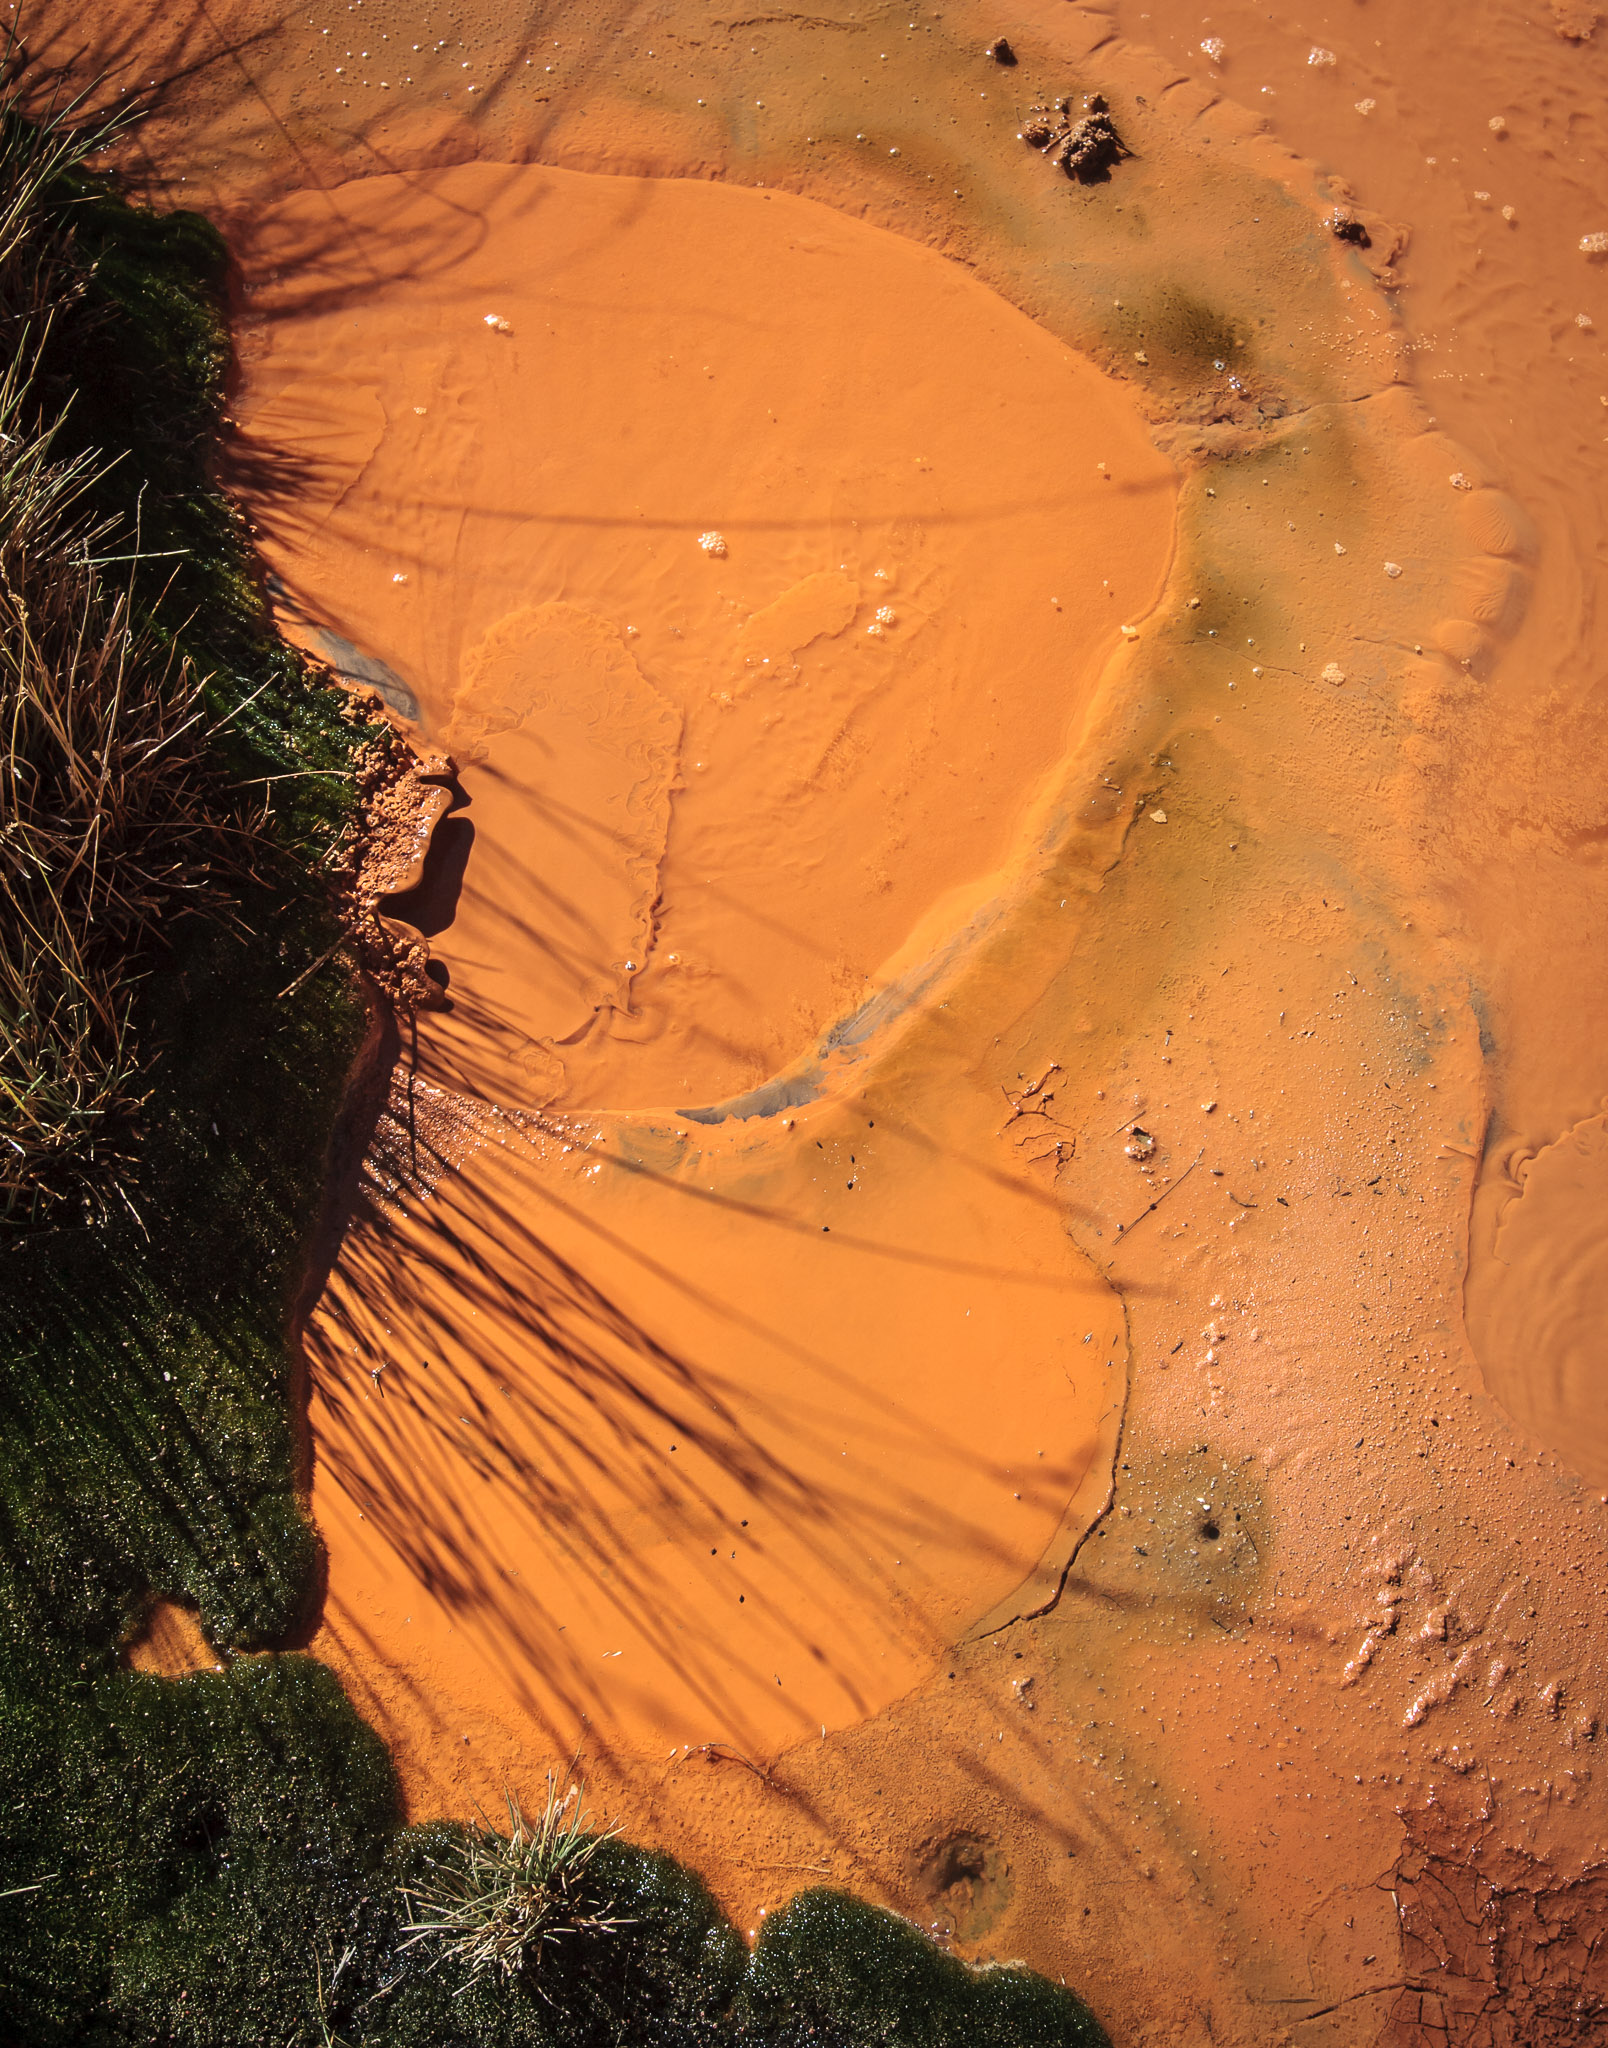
(1345, 227)
(1086, 146)
(402, 797)
(1575, 20)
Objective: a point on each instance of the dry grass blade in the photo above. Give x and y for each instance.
(110, 822)
(494, 1902)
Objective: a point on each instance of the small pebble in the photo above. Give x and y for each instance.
(1334, 673)
(1594, 245)
(1158, 817)
(1459, 482)
(1366, 106)
(1393, 568)
(498, 324)
(1497, 125)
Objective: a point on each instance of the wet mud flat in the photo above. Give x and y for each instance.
(987, 1287)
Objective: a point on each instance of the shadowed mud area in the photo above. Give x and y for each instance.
(990, 1284)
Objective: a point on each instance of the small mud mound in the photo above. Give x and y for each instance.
(967, 1880)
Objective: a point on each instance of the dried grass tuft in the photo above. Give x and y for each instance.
(110, 824)
(495, 1902)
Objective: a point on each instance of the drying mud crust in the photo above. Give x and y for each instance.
(987, 1284)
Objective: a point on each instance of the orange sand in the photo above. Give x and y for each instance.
(1282, 1726)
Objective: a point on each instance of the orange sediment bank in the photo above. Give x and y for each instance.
(877, 1058)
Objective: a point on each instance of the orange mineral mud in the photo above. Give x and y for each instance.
(991, 1284)
(753, 564)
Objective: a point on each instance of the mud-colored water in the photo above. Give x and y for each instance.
(913, 1306)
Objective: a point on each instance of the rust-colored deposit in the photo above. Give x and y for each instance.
(988, 1282)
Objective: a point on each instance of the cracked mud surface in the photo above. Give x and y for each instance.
(1302, 877)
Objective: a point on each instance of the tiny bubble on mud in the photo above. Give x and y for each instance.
(1214, 47)
(712, 543)
(1318, 55)
(1366, 106)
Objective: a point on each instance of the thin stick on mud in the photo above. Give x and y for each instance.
(1124, 1228)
